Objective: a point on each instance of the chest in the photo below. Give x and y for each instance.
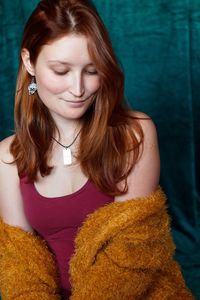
(50, 215)
(63, 180)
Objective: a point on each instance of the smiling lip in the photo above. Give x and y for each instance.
(77, 101)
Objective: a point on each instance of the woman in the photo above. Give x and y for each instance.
(82, 214)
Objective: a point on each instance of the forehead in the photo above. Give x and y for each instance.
(71, 48)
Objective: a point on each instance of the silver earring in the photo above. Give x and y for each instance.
(32, 87)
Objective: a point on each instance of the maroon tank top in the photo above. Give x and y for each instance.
(57, 219)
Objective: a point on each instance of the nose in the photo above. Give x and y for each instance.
(77, 88)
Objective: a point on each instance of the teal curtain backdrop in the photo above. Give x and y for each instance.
(158, 46)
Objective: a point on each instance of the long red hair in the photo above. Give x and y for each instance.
(110, 138)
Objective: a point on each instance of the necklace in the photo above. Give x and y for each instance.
(67, 153)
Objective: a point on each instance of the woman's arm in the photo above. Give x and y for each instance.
(11, 205)
(145, 175)
(27, 268)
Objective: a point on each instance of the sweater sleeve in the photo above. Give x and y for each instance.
(144, 253)
(27, 268)
(125, 251)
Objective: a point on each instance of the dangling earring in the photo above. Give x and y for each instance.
(32, 87)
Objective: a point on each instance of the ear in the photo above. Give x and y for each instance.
(25, 55)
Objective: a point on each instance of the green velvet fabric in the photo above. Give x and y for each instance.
(157, 43)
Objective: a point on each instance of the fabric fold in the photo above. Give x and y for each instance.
(125, 251)
(27, 267)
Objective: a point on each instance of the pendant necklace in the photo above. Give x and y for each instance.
(67, 153)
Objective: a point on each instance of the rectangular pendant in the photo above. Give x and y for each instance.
(67, 156)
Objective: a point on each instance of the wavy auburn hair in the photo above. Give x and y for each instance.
(110, 138)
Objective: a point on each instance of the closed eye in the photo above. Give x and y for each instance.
(91, 72)
(60, 73)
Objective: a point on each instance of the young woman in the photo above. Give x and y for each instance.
(82, 215)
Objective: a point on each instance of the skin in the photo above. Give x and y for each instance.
(67, 80)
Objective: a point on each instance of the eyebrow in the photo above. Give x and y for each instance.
(67, 63)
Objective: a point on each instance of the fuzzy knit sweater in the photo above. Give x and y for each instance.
(123, 251)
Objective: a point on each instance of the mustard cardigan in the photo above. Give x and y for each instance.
(123, 251)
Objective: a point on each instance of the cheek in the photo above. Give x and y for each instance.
(93, 85)
(46, 83)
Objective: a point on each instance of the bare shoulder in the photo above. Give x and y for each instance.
(11, 204)
(145, 175)
(5, 155)
(149, 131)
(146, 122)
(7, 168)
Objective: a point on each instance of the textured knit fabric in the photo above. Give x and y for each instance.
(123, 252)
(57, 219)
(27, 267)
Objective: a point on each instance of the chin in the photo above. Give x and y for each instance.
(74, 115)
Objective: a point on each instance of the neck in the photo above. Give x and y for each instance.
(67, 129)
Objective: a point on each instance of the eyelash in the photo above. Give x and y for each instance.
(87, 72)
(60, 73)
(92, 72)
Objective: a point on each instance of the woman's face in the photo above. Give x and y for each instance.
(66, 77)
